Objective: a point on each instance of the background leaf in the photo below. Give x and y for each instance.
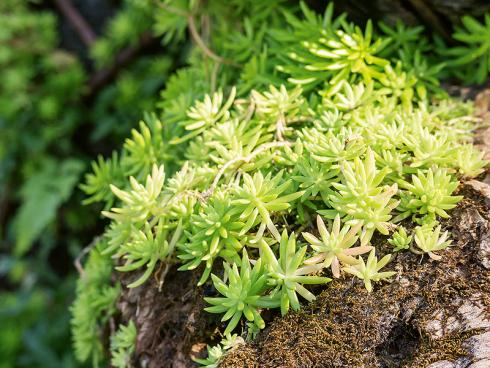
(42, 194)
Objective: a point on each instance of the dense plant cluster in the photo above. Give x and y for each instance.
(38, 81)
(332, 134)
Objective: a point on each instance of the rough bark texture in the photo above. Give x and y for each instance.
(170, 320)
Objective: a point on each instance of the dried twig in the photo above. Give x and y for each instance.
(78, 261)
(196, 37)
(81, 27)
(106, 75)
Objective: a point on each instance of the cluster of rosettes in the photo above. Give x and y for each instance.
(250, 192)
(286, 187)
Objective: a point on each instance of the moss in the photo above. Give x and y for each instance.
(449, 348)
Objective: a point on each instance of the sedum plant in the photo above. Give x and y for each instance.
(315, 178)
(400, 240)
(242, 295)
(429, 240)
(279, 105)
(123, 345)
(147, 247)
(288, 273)
(218, 352)
(259, 196)
(205, 114)
(215, 232)
(369, 271)
(214, 355)
(322, 119)
(428, 147)
(94, 305)
(98, 184)
(340, 51)
(361, 199)
(403, 38)
(333, 147)
(428, 194)
(336, 246)
(141, 201)
(470, 161)
(470, 60)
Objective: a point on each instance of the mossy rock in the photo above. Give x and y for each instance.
(433, 314)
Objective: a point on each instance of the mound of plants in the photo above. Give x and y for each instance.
(289, 148)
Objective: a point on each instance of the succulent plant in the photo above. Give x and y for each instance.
(147, 247)
(474, 51)
(429, 240)
(242, 294)
(216, 353)
(315, 178)
(204, 114)
(428, 194)
(361, 199)
(335, 247)
(288, 273)
(400, 239)
(470, 161)
(141, 202)
(369, 271)
(259, 196)
(351, 51)
(215, 232)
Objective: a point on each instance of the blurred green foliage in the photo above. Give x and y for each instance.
(51, 125)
